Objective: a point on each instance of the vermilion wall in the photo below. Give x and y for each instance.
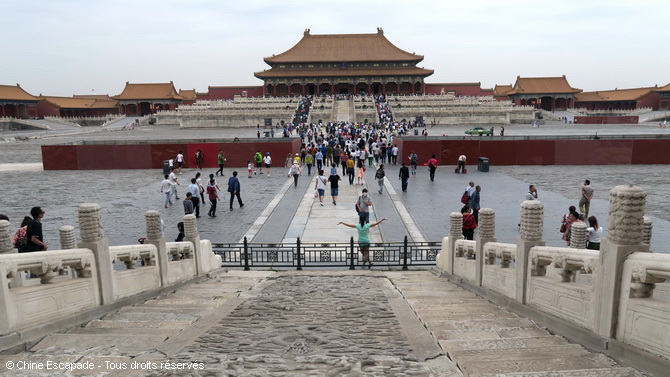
(151, 156)
(539, 152)
(607, 120)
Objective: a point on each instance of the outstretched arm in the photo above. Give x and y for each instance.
(346, 224)
(378, 222)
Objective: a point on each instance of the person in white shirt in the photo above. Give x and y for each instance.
(180, 160)
(173, 179)
(166, 188)
(595, 234)
(267, 160)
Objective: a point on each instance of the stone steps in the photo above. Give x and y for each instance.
(486, 340)
(138, 332)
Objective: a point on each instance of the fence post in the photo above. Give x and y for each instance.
(246, 254)
(353, 253)
(404, 254)
(298, 250)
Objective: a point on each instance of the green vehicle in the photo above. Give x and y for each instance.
(479, 131)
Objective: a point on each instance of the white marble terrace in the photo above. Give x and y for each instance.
(81, 276)
(617, 292)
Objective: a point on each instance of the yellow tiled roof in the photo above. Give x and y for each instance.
(347, 72)
(343, 48)
(613, 95)
(542, 85)
(148, 91)
(15, 93)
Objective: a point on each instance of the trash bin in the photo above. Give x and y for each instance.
(483, 164)
(266, 133)
(166, 166)
(416, 132)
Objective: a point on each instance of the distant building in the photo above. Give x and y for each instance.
(144, 99)
(343, 64)
(619, 99)
(77, 106)
(547, 93)
(664, 97)
(17, 103)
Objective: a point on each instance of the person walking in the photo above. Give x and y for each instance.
(432, 166)
(188, 204)
(350, 169)
(320, 186)
(403, 174)
(379, 176)
(309, 161)
(585, 200)
(267, 160)
(334, 180)
(198, 159)
(363, 205)
(194, 189)
(319, 159)
(474, 203)
(34, 234)
(364, 237)
(413, 161)
(173, 179)
(234, 190)
(295, 171)
(220, 159)
(258, 159)
(213, 197)
(180, 161)
(469, 223)
(166, 188)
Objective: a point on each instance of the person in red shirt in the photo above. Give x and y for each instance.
(469, 223)
(432, 166)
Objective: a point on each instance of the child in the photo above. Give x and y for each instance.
(180, 228)
(250, 168)
(188, 204)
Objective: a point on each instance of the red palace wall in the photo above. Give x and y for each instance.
(151, 156)
(228, 92)
(539, 152)
(499, 152)
(607, 120)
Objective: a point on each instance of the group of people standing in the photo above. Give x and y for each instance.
(29, 237)
(594, 230)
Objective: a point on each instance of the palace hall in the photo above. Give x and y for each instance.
(343, 64)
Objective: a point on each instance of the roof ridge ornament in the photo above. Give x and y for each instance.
(306, 33)
(380, 31)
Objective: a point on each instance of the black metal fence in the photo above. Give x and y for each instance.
(301, 255)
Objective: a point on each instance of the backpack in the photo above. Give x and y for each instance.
(21, 240)
(465, 198)
(294, 170)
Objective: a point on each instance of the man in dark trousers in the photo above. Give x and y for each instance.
(234, 190)
(404, 176)
(34, 236)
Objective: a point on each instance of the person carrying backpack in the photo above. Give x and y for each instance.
(295, 171)
(379, 176)
(20, 238)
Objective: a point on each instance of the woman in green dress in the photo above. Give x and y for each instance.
(364, 237)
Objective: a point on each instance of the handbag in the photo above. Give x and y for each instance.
(465, 198)
(316, 194)
(564, 227)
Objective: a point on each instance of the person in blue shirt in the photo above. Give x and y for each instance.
(364, 237)
(234, 190)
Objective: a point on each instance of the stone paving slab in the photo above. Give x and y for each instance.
(477, 324)
(555, 363)
(483, 344)
(82, 342)
(596, 372)
(519, 353)
(102, 324)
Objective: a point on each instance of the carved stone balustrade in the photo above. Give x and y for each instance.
(506, 252)
(465, 248)
(6, 237)
(567, 260)
(131, 254)
(578, 235)
(647, 227)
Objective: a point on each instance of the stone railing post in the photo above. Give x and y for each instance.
(68, 240)
(155, 237)
(647, 227)
(6, 246)
(532, 231)
(625, 236)
(93, 237)
(578, 235)
(191, 234)
(485, 234)
(455, 233)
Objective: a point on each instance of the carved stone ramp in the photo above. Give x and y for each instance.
(486, 340)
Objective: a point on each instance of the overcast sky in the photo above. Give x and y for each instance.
(62, 48)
